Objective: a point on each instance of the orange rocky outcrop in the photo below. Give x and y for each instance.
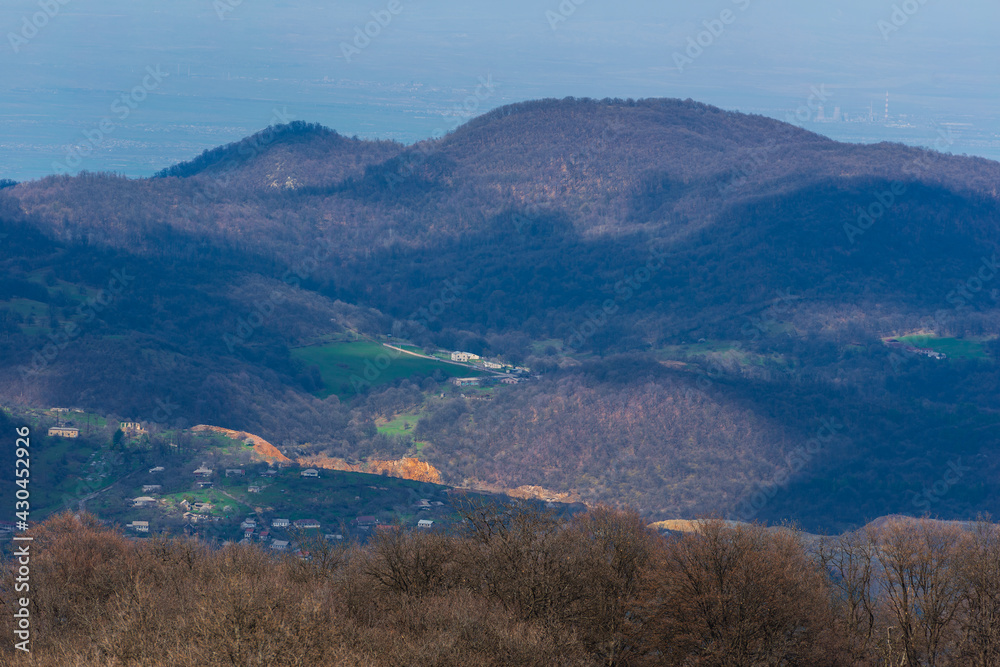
(405, 468)
(266, 450)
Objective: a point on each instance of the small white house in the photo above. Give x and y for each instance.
(310, 472)
(463, 356)
(253, 489)
(425, 523)
(492, 364)
(139, 526)
(156, 469)
(279, 545)
(144, 501)
(280, 523)
(203, 471)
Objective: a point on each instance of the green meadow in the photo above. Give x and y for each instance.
(955, 348)
(345, 367)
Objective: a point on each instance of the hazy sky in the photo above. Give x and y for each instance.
(232, 63)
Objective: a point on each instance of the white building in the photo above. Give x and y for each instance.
(463, 356)
(310, 472)
(140, 526)
(280, 523)
(425, 523)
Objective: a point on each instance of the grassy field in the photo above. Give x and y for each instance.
(955, 348)
(345, 366)
(398, 424)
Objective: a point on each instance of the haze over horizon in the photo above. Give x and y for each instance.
(431, 67)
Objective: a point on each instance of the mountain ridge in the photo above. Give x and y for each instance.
(531, 235)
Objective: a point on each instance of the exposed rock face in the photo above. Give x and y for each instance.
(266, 450)
(405, 468)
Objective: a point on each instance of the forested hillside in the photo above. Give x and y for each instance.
(696, 293)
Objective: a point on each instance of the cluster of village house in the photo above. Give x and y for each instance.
(927, 352)
(252, 532)
(514, 374)
(200, 512)
(130, 429)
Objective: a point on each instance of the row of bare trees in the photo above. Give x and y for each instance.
(918, 592)
(518, 587)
